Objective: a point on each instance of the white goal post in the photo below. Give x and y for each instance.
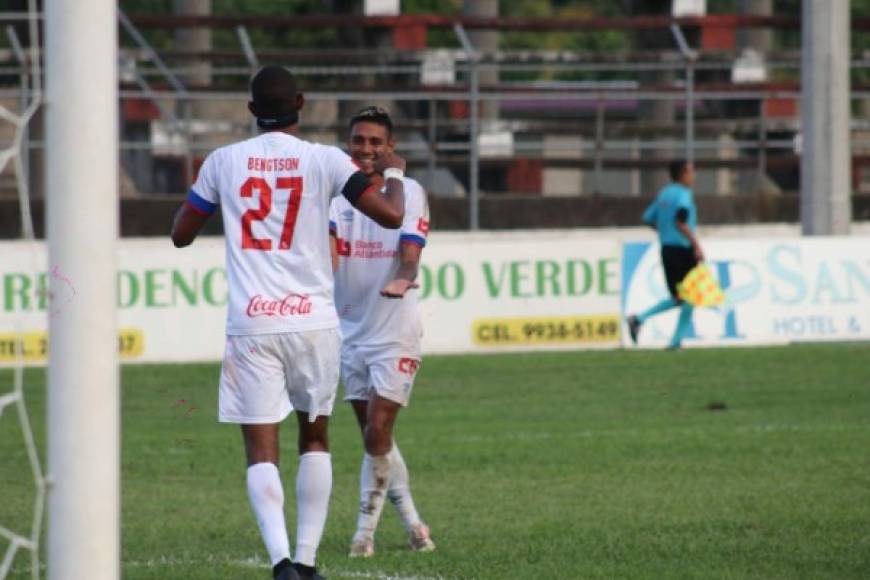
(81, 127)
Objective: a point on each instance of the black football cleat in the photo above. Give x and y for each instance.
(307, 572)
(633, 327)
(284, 570)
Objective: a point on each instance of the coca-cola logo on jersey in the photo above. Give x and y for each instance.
(290, 305)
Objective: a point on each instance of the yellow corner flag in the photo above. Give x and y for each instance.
(699, 288)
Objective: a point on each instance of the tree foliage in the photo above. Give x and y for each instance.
(580, 41)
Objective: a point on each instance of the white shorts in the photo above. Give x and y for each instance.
(265, 376)
(390, 374)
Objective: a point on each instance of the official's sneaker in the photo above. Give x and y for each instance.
(633, 327)
(284, 570)
(304, 572)
(420, 539)
(362, 546)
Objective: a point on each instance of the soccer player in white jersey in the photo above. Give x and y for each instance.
(283, 342)
(375, 272)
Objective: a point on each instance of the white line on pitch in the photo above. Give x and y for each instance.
(379, 575)
(253, 562)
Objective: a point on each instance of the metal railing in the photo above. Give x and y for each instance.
(439, 127)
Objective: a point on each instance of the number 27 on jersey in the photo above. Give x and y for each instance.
(262, 189)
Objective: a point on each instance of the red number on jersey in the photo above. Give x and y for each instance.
(249, 242)
(294, 201)
(294, 184)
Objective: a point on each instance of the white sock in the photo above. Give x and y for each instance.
(267, 500)
(374, 481)
(313, 486)
(400, 490)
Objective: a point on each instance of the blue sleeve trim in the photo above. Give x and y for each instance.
(333, 229)
(419, 240)
(200, 203)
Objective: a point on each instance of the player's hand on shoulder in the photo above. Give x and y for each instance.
(388, 160)
(397, 288)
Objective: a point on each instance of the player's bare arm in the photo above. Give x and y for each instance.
(333, 253)
(696, 246)
(388, 208)
(409, 255)
(187, 224)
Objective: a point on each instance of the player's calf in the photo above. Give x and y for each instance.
(374, 482)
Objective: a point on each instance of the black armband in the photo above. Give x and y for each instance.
(682, 215)
(355, 186)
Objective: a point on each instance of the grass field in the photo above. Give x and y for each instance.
(563, 465)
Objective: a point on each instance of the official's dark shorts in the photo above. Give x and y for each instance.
(677, 262)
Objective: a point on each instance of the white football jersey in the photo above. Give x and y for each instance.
(368, 260)
(274, 192)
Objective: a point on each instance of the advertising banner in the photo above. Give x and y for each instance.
(488, 292)
(776, 291)
(171, 303)
(479, 292)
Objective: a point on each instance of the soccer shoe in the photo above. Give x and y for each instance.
(420, 539)
(283, 570)
(633, 327)
(304, 572)
(362, 546)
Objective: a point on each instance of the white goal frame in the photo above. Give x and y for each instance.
(81, 129)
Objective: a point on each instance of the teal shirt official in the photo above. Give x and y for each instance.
(662, 214)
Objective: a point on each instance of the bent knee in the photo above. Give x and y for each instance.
(313, 436)
(378, 439)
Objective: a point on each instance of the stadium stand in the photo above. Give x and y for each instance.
(567, 139)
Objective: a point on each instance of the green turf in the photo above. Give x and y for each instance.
(563, 465)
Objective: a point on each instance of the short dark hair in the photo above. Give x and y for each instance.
(375, 115)
(273, 97)
(677, 169)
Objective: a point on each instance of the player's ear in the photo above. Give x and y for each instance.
(300, 101)
(252, 108)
